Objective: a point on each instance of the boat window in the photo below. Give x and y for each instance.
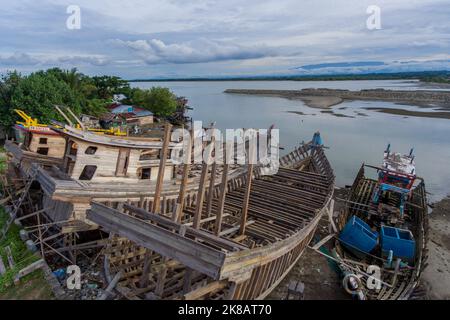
(146, 173)
(88, 172)
(43, 151)
(91, 150)
(42, 140)
(73, 148)
(27, 140)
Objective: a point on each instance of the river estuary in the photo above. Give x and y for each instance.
(353, 132)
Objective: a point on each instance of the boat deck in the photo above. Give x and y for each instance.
(229, 261)
(398, 283)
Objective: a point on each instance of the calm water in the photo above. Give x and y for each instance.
(356, 136)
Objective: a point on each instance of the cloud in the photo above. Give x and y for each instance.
(94, 60)
(156, 51)
(215, 38)
(19, 59)
(342, 65)
(359, 67)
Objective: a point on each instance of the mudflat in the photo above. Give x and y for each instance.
(327, 98)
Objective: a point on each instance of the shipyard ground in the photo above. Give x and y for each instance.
(436, 277)
(322, 282)
(315, 271)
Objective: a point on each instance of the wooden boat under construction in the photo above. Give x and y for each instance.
(176, 231)
(236, 242)
(381, 235)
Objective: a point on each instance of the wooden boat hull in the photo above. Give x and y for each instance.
(246, 274)
(396, 284)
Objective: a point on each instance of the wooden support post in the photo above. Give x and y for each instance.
(111, 286)
(9, 257)
(199, 209)
(330, 211)
(232, 291)
(221, 204)
(32, 214)
(161, 281)
(143, 281)
(211, 189)
(184, 179)
(202, 185)
(76, 119)
(40, 235)
(64, 115)
(200, 196)
(161, 169)
(246, 199)
(2, 266)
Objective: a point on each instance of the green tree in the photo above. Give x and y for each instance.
(96, 107)
(38, 93)
(107, 86)
(8, 85)
(161, 101)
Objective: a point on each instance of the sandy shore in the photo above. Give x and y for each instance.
(327, 98)
(410, 113)
(322, 282)
(436, 277)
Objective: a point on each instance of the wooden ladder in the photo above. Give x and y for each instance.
(17, 206)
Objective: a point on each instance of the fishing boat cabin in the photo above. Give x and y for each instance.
(35, 144)
(384, 226)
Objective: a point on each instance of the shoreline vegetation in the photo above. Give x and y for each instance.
(438, 78)
(327, 98)
(38, 92)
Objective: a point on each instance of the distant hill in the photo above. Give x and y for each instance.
(426, 76)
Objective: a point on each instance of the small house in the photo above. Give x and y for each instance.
(133, 115)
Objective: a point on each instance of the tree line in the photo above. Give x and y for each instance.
(38, 93)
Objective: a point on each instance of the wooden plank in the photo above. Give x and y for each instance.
(200, 196)
(221, 203)
(162, 167)
(245, 205)
(30, 268)
(200, 234)
(111, 286)
(204, 290)
(211, 189)
(184, 179)
(323, 241)
(169, 244)
(9, 257)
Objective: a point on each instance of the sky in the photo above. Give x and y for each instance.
(208, 38)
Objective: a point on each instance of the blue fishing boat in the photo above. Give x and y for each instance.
(381, 234)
